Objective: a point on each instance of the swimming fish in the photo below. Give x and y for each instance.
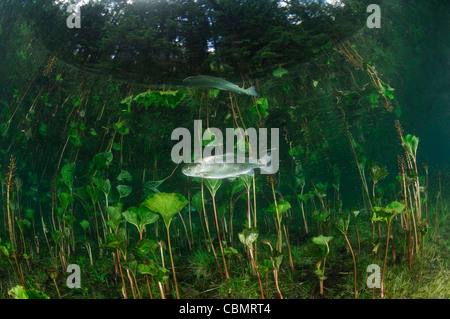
(217, 83)
(216, 167)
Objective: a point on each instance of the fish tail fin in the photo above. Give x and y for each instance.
(251, 91)
(267, 167)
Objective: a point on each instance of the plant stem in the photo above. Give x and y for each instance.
(291, 262)
(121, 274)
(207, 230)
(275, 273)
(357, 236)
(279, 239)
(354, 264)
(300, 203)
(131, 283)
(56, 286)
(385, 259)
(171, 261)
(257, 272)
(227, 276)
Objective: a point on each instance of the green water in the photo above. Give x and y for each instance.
(359, 116)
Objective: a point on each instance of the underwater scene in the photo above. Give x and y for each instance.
(224, 149)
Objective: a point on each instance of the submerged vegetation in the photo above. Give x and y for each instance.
(88, 180)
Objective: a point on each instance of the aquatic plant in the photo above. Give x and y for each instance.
(277, 209)
(213, 186)
(19, 292)
(386, 215)
(378, 173)
(235, 189)
(276, 258)
(298, 179)
(423, 229)
(342, 225)
(355, 214)
(247, 237)
(322, 241)
(167, 205)
(140, 217)
(116, 240)
(9, 183)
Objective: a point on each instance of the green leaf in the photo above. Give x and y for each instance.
(69, 219)
(213, 93)
(125, 106)
(36, 294)
(67, 174)
(92, 193)
(65, 200)
(322, 240)
(386, 214)
(43, 129)
(410, 144)
(124, 190)
(282, 206)
(102, 160)
(167, 205)
(131, 265)
(196, 201)
(320, 217)
(115, 216)
(248, 236)
(112, 241)
(276, 259)
(23, 224)
(144, 248)
(104, 185)
(261, 107)
(18, 292)
(165, 98)
(121, 127)
(148, 269)
(213, 185)
(140, 217)
(342, 224)
(356, 213)
(151, 187)
(161, 275)
(56, 235)
(279, 72)
(5, 249)
(85, 224)
(305, 197)
(124, 176)
(29, 213)
(238, 185)
(386, 90)
(378, 172)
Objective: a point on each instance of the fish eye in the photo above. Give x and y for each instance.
(188, 168)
